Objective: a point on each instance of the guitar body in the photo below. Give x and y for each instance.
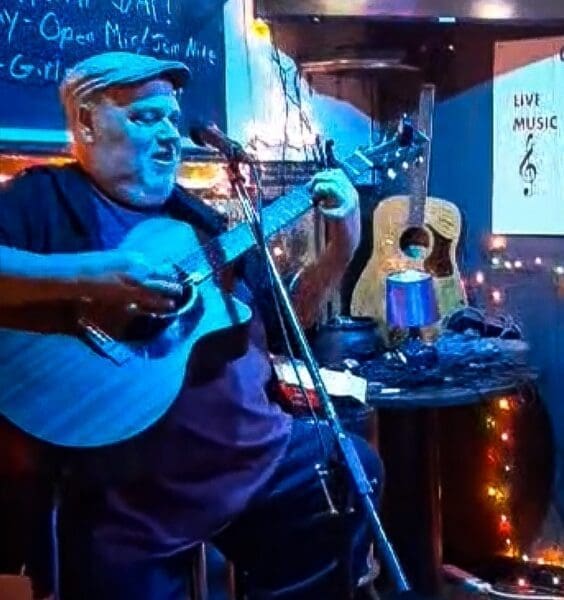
(114, 378)
(442, 225)
(65, 391)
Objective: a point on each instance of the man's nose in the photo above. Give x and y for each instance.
(168, 131)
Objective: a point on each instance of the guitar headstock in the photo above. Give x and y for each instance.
(403, 149)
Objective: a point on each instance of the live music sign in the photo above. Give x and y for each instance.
(528, 147)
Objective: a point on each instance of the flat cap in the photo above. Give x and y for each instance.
(109, 69)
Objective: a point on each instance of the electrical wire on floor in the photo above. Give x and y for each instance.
(472, 583)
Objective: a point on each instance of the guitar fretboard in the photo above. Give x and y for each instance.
(232, 244)
(420, 175)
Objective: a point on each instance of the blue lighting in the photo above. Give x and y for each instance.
(21, 134)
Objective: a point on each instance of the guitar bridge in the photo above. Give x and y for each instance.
(103, 343)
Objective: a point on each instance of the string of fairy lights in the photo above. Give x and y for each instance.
(501, 261)
(499, 422)
(542, 572)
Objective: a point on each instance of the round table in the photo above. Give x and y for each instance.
(410, 403)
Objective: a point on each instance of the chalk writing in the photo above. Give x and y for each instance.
(51, 29)
(118, 38)
(195, 49)
(21, 68)
(156, 10)
(80, 4)
(41, 39)
(9, 21)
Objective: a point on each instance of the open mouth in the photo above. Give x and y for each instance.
(165, 157)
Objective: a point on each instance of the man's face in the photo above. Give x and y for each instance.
(134, 150)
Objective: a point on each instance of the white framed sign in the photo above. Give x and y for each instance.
(528, 142)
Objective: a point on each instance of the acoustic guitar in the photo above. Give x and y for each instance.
(117, 375)
(413, 232)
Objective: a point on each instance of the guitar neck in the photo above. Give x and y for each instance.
(420, 175)
(229, 246)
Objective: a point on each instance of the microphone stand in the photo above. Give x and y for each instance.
(362, 486)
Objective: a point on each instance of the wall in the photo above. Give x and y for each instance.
(462, 172)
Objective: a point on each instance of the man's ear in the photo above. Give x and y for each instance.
(85, 123)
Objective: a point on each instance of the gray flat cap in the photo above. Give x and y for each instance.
(108, 69)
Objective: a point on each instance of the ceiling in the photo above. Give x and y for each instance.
(509, 11)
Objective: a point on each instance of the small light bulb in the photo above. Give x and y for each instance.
(559, 270)
(508, 265)
(507, 468)
(391, 174)
(504, 520)
(521, 582)
(538, 261)
(492, 491)
(405, 165)
(508, 542)
(518, 264)
(556, 580)
(498, 242)
(525, 558)
(277, 251)
(480, 278)
(540, 561)
(496, 261)
(504, 404)
(496, 296)
(260, 29)
(504, 436)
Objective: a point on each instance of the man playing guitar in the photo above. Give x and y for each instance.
(224, 463)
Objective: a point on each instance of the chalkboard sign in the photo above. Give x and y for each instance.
(41, 39)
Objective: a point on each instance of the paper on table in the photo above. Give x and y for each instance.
(338, 383)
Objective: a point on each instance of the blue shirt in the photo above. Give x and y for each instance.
(219, 442)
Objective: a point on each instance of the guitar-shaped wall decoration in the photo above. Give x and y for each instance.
(413, 232)
(117, 375)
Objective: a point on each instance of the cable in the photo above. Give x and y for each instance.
(493, 592)
(475, 584)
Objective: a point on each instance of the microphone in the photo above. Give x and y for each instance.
(209, 134)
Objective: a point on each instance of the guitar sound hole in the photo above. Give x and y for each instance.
(415, 243)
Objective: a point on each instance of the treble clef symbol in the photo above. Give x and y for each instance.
(528, 169)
